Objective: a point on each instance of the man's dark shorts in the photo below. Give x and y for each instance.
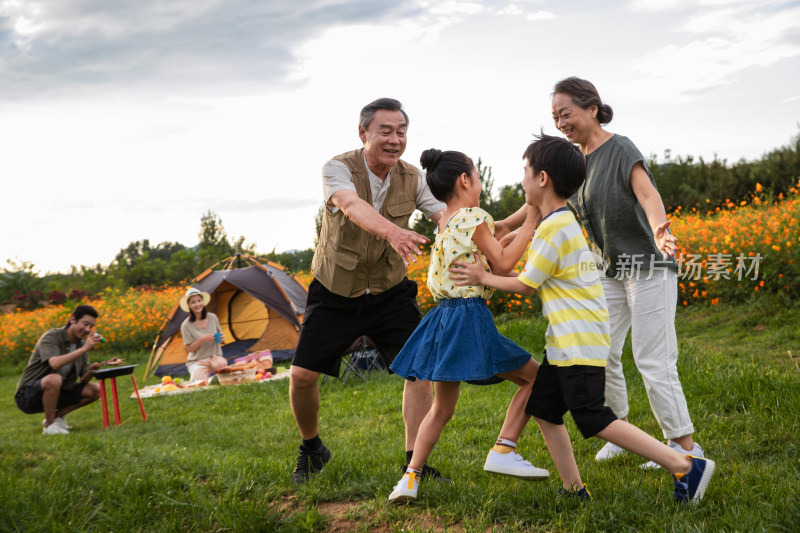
(579, 389)
(332, 323)
(29, 397)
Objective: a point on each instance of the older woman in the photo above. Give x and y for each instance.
(202, 335)
(623, 213)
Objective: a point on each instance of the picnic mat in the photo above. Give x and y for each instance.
(150, 390)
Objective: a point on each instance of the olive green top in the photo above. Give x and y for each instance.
(616, 223)
(55, 342)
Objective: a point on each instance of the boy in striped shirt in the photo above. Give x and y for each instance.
(572, 374)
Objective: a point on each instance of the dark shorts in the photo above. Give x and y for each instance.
(29, 397)
(332, 323)
(579, 389)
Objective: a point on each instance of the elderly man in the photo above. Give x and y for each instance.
(359, 266)
(56, 380)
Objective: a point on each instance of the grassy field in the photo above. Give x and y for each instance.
(220, 459)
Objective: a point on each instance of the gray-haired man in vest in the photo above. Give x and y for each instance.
(360, 285)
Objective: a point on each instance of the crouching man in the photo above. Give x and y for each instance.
(56, 380)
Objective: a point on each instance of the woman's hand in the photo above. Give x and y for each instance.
(665, 241)
(467, 273)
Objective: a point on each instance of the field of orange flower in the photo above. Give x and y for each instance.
(129, 320)
(736, 250)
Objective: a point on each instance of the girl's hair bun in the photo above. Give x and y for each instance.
(430, 158)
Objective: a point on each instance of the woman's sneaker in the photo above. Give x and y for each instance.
(690, 488)
(609, 451)
(512, 464)
(406, 489)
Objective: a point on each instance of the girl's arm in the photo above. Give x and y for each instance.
(653, 206)
(475, 274)
(503, 260)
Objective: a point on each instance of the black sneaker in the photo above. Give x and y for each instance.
(429, 472)
(309, 463)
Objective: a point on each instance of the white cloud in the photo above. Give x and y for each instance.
(676, 5)
(734, 40)
(451, 7)
(510, 9)
(540, 15)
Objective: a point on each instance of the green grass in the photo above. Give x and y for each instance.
(220, 460)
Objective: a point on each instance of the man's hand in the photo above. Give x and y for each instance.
(92, 339)
(468, 273)
(364, 215)
(406, 243)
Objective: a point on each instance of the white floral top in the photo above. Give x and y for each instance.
(455, 244)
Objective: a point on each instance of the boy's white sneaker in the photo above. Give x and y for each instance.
(609, 451)
(512, 464)
(406, 489)
(697, 451)
(60, 421)
(54, 429)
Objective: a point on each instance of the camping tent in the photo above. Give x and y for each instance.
(260, 307)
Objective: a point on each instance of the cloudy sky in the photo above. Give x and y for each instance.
(127, 120)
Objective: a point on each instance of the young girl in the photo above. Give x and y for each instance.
(458, 341)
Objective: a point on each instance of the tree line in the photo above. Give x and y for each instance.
(139, 264)
(682, 181)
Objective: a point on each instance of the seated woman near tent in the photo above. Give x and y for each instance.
(259, 307)
(202, 335)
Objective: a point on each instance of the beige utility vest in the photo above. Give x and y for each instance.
(350, 261)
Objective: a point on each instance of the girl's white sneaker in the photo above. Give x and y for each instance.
(512, 464)
(406, 489)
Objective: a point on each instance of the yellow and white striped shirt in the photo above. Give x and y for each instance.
(572, 295)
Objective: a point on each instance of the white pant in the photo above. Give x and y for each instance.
(647, 308)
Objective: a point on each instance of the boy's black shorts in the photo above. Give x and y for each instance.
(332, 323)
(579, 389)
(29, 397)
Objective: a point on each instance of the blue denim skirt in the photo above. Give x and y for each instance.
(458, 341)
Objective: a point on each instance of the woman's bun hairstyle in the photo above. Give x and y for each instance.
(585, 95)
(443, 168)
(604, 113)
